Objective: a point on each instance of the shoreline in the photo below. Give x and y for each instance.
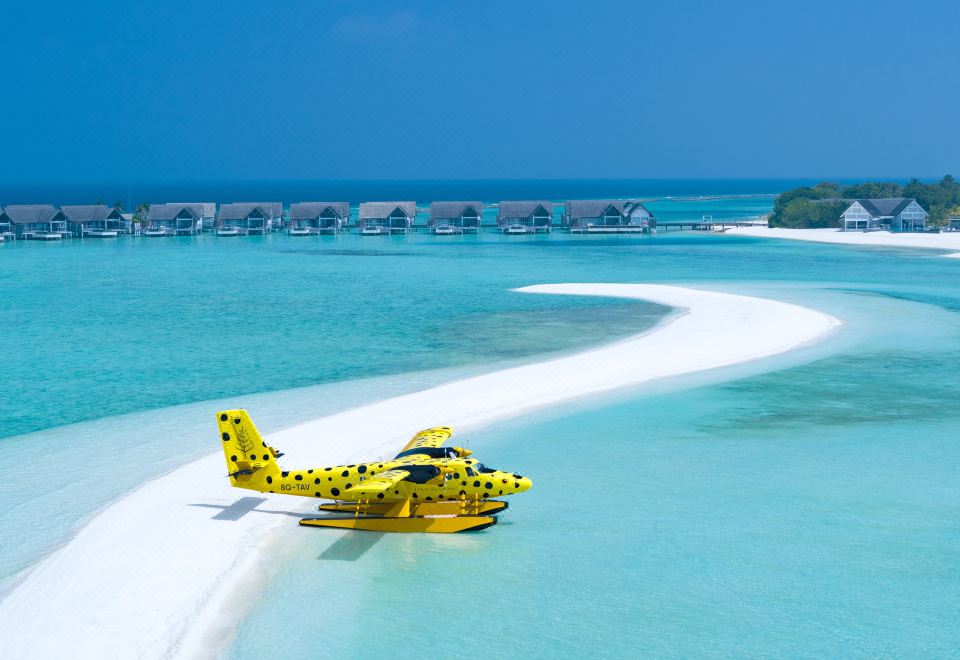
(946, 241)
(152, 574)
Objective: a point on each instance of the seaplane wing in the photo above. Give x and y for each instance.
(378, 484)
(434, 437)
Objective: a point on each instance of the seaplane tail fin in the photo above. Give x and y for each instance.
(250, 461)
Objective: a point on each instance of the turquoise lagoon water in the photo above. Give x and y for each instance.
(803, 506)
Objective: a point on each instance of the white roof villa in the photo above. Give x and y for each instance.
(896, 213)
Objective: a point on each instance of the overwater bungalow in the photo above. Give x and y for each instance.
(526, 217)
(6, 227)
(243, 218)
(606, 216)
(308, 218)
(174, 220)
(455, 217)
(95, 221)
(386, 217)
(41, 222)
(207, 210)
(893, 213)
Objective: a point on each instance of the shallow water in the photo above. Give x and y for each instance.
(807, 511)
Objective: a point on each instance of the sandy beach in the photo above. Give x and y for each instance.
(941, 241)
(154, 574)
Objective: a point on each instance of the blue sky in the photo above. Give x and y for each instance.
(294, 89)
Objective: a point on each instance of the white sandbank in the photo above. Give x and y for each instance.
(152, 575)
(941, 241)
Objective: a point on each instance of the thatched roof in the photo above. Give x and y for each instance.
(171, 211)
(311, 210)
(22, 214)
(595, 208)
(242, 210)
(451, 210)
(524, 209)
(207, 209)
(90, 213)
(377, 210)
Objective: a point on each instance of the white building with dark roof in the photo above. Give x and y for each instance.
(894, 213)
(606, 216)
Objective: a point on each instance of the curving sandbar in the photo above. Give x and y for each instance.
(942, 241)
(153, 575)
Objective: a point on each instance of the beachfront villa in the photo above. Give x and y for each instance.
(386, 217)
(455, 217)
(174, 220)
(525, 217)
(893, 213)
(95, 220)
(318, 217)
(244, 218)
(606, 216)
(953, 224)
(42, 222)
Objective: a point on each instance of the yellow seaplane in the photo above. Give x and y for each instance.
(427, 487)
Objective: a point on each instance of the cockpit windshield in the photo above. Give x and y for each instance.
(483, 469)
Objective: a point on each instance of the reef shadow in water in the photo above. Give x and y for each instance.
(523, 333)
(872, 388)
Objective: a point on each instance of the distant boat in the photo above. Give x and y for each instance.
(155, 231)
(443, 230)
(228, 231)
(515, 229)
(101, 233)
(371, 231)
(298, 231)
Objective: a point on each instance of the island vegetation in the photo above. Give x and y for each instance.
(822, 204)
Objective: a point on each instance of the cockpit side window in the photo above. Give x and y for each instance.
(483, 469)
(470, 472)
(420, 474)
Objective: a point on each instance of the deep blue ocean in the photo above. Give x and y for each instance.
(804, 506)
(356, 191)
